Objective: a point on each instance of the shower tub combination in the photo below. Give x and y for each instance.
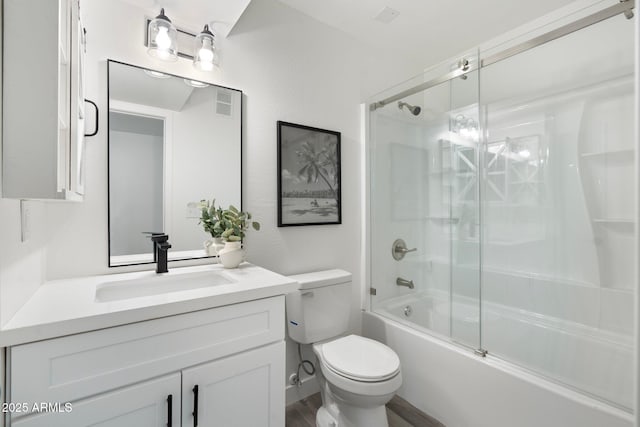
(511, 172)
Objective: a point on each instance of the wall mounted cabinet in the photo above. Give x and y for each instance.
(43, 100)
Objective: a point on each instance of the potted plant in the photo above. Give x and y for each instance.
(229, 226)
(234, 225)
(210, 216)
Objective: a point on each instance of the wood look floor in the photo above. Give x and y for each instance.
(399, 412)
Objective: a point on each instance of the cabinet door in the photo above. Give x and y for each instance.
(144, 405)
(37, 119)
(239, 391)
(76, 143)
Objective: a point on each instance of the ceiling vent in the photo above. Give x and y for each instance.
(224, 102)
(387, 15)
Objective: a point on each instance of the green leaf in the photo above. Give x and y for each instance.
(256, 226)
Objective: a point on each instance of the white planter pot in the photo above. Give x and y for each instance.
(231, 255)
(212, 247)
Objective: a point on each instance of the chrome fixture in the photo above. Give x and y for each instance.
(480, 352)
(167, 42)
(463, 65)
(204, 52)
(408, 311)
(415, 110)
(404, 282)
(399, 249)
(162, 38)
(628, 13)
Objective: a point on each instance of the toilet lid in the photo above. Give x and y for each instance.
(360, 358)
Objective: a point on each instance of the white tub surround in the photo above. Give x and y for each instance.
(71, 306)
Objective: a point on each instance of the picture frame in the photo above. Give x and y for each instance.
(309, 176)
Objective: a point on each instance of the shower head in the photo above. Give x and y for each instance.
(415, 110)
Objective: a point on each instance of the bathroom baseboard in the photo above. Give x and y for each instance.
(308, 387)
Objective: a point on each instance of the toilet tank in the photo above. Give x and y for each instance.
(321, 306)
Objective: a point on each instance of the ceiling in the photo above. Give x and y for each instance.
(131, 84)
(221, 15)
(427, 31)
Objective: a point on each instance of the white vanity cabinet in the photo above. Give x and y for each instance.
(220, 367)
(43, 100)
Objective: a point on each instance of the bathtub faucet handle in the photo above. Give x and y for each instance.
(399, 249)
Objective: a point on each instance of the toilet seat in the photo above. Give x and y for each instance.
(360, 359)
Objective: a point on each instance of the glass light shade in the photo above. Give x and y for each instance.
(156, 74)
(195, 83)
(204, 57)
(163, 38)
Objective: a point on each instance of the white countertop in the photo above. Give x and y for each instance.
(69, 306)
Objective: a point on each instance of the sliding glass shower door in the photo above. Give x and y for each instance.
(558, 209)
(515, 184)
(425, 196)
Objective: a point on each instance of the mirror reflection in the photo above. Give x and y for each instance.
(172, 143)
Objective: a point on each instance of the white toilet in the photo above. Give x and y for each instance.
(357, 375)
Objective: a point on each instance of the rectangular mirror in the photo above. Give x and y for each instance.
(173, 142)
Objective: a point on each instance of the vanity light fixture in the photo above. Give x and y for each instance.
(156, 74)
(162, 38)
(204, 50)
(195, 83)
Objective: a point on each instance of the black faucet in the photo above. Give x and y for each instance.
(160, 247)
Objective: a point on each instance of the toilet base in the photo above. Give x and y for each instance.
(353, 417)
(338, 412)
(324, 418)
(356, 417)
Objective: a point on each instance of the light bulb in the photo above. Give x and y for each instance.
(206, 52)
(162, 39)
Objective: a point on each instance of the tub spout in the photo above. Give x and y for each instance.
(403, 282)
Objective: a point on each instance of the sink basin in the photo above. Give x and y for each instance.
(156, 285)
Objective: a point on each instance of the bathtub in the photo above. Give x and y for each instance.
(462, 389)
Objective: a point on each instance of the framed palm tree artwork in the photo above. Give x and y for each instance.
(308, 176)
